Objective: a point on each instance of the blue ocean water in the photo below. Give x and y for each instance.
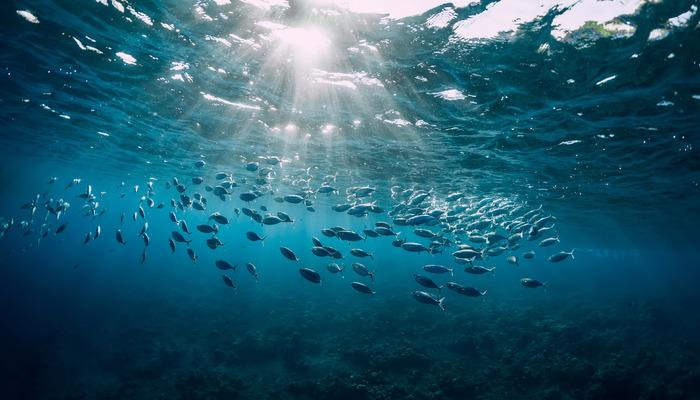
(501, 123)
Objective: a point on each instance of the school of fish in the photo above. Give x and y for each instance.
(471, 229)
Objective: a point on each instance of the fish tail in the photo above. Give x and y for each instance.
(572, 253)
(484, 292)
(371, 275)
(441, 304)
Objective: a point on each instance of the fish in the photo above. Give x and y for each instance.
(334, 253)
(361, 253)
(88, 236)
(496, 251)
(362, 288)
(422, 219)
(414, 247)
(288, 253)
(225, 265)
(424, 233)
(532, 283)
(561, 256)
(426, 282)
(61, 228)
(398, 242)
(341, 207)
(349, 236)
(206, 228)
(213, 243)
(248, 196)
(529, 255)
(98, 232)
(199, 163)
(284, 217)
(478, 270)
(512, 259)
(120, 237)
(454, 196)
(183, 226)
(310, 275)
(549, 241)
(146, 239)
(514, 238)
(144, 229)
(192, 254)
(252, 166)
(252, 270)
(334, 268)
(477, 239)
(437, 269)
(218, 218)
(385, 231)
(177, 236)
(363, 191)
(320, 251)
(271, 220)
(328, 232)
(370, 233)
(467, 253)
(469, 291)
(361, 270)
(73, 182)
(428, 298)
(171, 243)
(254, 237)
(228, 281)
(293, 198)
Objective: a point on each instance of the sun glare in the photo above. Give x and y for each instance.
(303, 42)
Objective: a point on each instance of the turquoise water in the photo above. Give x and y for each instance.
(494, 120)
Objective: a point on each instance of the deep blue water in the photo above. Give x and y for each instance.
(593, 124)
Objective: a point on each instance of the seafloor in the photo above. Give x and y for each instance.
(317, 349)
